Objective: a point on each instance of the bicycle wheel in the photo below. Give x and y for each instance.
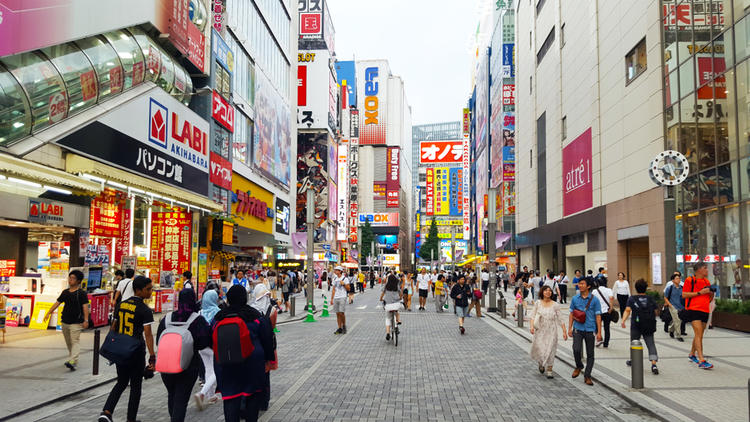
(395, 337)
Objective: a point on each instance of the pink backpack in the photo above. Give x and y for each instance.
(175, 346)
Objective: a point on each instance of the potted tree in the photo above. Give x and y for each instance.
(732, 314)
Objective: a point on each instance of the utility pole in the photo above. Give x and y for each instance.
(453, 248)
(491, 228)
(310, 248)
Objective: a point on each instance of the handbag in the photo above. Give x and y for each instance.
(614, 316)
(580, 315)
(120, 348)
(477, 294)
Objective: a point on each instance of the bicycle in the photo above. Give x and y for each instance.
(394, 330)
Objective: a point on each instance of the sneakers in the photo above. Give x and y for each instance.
(388, 337)
(680, 339)
(199, 401)
(343, 330)
(705, 365)
(339, 331)
(654, 369)
(599, 343)
(628, 362)
(70, 365)
(462, 330)
(694, 359)
(104, 417)
(549, 375)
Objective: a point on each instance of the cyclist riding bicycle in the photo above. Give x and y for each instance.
(391, 296)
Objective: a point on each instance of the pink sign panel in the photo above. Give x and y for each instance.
(577, 175)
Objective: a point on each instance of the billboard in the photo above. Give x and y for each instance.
(346, 74)
(341, 209)
(354, 177)
(509, 94)
(272, 140)
(577, 175)
(482, 101)
(314, 78)
(465, 168)
(380, 219)
(430, 191)
(509, 61)
(456, 197)
(481, 193)
(508, 198)
(509, 164)
(372, 103)
(442, 188)
(392, 173)
(434, 152)
(312, 172)
(378, 190)
(282, 216)
(310, 19)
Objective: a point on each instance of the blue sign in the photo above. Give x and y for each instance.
(456, 191)
(326, 247)
(509, 65)
(345, 71)
(222, 52)
(509, 155)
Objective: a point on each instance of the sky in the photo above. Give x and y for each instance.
(426, 42)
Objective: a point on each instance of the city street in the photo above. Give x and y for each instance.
(435, 374)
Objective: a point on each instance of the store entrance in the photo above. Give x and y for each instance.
(638, 259)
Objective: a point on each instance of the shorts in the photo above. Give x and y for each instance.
(461, 311)
(423, 292)
(339, 305)
(286, 296)
(693, 315)
(395, 306)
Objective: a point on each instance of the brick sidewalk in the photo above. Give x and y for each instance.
(681, 389)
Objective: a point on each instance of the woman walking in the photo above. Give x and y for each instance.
(209, 308)
(180, 384)
(265, 306)
(545, 318)
(440, 290)
(622, 290)
(460, 295)
(476, 296)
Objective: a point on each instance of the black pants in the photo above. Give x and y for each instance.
(563, 293)
(505, 285)
(266, 393)
(132, 373)
(179, 386)
(578, 338)
(622, 300)
(233, 408)
(606, 319)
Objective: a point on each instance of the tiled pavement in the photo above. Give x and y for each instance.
(435, 374)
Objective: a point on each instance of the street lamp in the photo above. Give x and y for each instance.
(310, 248)
(491, 228)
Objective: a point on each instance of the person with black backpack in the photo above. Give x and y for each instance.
(643, 323)
(181, 334)
(242, 343)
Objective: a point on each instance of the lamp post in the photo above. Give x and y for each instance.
(491, 228)
(310, 248)
(453, 248)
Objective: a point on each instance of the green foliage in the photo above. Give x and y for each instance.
(366, 242)
(432, 243)
(733, 306)
(656, 297)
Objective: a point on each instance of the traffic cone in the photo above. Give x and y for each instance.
(309, 314)
(325, 308)
(276, 330)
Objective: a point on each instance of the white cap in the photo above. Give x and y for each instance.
(339, 268)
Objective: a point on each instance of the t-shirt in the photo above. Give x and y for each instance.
(286, 280)
(674, 295)
(390, 296)
(132, 315)
(125, 287)
(439, 285)
(72, 313)
(564, 280)
(602, 293)
(535, 282)
(423, 281)
(188, 285)
(340, 291)
(485, 276)
(622, 287)
(361, 278)
(701, 302)
(552, 283)
(595, 308)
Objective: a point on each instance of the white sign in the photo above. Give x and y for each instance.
(342, 233)
(466, 164)
(391, 259)
(656, 268)
(313, 90)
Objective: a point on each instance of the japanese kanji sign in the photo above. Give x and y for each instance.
(440, 152)
(170, 240)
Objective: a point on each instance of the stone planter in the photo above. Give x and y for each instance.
(738, 322)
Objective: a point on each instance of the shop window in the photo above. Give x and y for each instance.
(151, 53)
(44, 86)
(740, 8)
(688, 140)
(742, 38)
(15, 118)
(726, 130)
(564, 127)
(180, 85)
(678, 195)
(107, 65)
(223, 82)
(671, 89)
(726, 182)
(744, 177)
(131, 56)
(545, 46)
(706, 145)
(596, 240)
(635, 61)
(562, 35)
(690, 193)
(687, 78)
(743, 107)
(693, 234)
(707, 189)
(79, 76)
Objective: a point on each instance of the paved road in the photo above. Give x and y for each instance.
(435, 374)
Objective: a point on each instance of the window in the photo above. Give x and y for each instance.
(223, 82)
(564, 127)
(635, 61)
(106, 64)
(75, 68)
(14, 113)
(545, 46)
(562, 35)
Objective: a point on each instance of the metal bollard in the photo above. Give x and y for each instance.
(95, 365)
(636, 364)
(482, 302)
(748, 398)
(292, 306)
(501, 306)
(519, 315)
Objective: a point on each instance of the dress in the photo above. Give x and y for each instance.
(546, 323)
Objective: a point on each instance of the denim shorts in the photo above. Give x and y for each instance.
(461, 311)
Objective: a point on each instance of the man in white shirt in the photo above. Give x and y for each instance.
(340, 285)
(485, 280)
(125, 287)
(606, 297)
(563, 280)
(424, 281)
(533, 286)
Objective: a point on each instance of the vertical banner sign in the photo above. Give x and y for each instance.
(466, 126)
(354, 177)
(341, 216)
(156, 236)
(106, 215)
(372, 84)
(456, 191)
(122, 244)
(430, 191)
(392, 184)
(175, 240)
(441, 191)
(577, 177)
(194, 243)
(465, 168)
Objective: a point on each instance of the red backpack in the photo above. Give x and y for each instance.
(232, 343)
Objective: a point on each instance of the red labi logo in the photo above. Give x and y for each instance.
(157, 123)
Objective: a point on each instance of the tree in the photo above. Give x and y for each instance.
(432, 243)
(367, 238)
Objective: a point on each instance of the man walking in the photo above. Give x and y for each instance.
(75, 316)
(424, 280)
(698, 294)
(341, 286)
(584, 327)
(675, 303)
(563, 284)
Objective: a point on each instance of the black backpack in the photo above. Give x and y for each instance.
(644, 317)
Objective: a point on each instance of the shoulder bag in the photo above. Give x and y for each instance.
(580, 315)
(614, 316)
(683, 314)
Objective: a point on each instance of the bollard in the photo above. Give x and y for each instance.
(482, 302)
(636, 364)
(519, 315)
(501, 306)
(95, 365)
(748, 398)
(292, 306)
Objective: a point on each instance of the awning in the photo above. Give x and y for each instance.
(78, 164)
(24, 169)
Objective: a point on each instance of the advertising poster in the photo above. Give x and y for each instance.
(509, 198)
(378, 190)
(509, 61)
(173, 240)
(509, 94)
(482, 101)
(106, 214)
(313, 102)
(7, 268)
(481, 194)
(354, 177)
(312, 172)
(434, 152)
(577, 175)
(505, 137)
(456, 191)
(380, 219)
(393, 181)
(509, 164)
(282, 216)
(430, 194)
(372, 77)
(14, 311)
(442, 191)
(333, 193)
(272, 139)
(465, 167)
(122, 243)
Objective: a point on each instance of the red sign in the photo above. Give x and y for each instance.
(170, 235)
(509, 95)
(197, 47)
(222, 112)
(310, 24)
(185, 35)
(392, 183)
(7, 267)
(430, 191)
(708, 68)
(138, 73)
(88, 85)
(378, 190)
(115, 79)
(302, 85)
(441, 152)
(218, 15)
(577, 175)
(106, 215)
(122, 244)
(58, 107)
(221, 171)
(251, 206)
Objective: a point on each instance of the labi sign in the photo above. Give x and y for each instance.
(577, 175)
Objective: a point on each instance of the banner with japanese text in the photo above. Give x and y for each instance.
(430, 194)
(106, 214)
(442, 206)
(456, 191)
(171, 237)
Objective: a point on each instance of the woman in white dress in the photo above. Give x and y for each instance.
(545, 318)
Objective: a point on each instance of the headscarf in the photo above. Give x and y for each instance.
(209, 304)
(262, 299)
(186, 303)
(237, 300)
(236, 296)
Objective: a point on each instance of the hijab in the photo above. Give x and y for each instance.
(237, 300)
(262, 299)
(209, 304)
(187, 303)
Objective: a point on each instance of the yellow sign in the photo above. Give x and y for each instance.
(442, 191)
(37, 321)
(251, 209)
(448, 235)
(227, 233)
